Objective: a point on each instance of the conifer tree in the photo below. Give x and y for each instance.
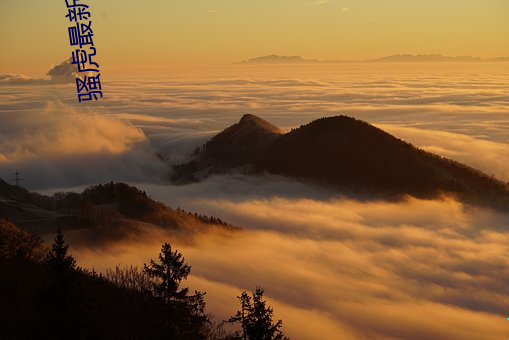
(61, 299)
(58, 260)
(185, 316)
(168, 274)
(255, 318)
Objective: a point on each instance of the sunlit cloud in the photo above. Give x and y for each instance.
(61, 130)
(344, 264)
(15, 78)
(488, 156)
(178, 113)
(62, 145)
(64, 71)
(434, 269)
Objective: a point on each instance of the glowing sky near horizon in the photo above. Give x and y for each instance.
(133, 35)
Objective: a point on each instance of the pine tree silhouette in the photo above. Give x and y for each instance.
(255, 318)
(61, 300)
(58, 261)
(185, 316)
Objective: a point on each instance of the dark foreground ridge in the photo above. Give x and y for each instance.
(348, 154)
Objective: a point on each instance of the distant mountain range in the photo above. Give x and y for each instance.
(276, 59)
(397, 58)
(426, 58)
(344, 153)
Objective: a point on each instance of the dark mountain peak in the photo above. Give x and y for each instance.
(248, 117)
(355, 155)
(346, 153)
(331, 134)
(341, 122)
(250, 121)
(240, 143)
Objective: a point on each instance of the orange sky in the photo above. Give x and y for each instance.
(131, 36)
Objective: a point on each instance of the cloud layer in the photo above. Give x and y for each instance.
(62, 72)
(61, 146)
(485, 155)
(419, 103)
(420, 269)
(340, 268)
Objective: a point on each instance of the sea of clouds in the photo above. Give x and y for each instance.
(337, 268)
(331, 266)
(458, 111)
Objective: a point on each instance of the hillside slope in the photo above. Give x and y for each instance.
(355, 157)
(237, 145)
(116, 208)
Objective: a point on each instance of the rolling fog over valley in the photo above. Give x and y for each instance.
(458, 111)
(331, 262)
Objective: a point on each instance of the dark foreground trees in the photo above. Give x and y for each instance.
(184, 313)
(45, 295)
(256, 318)
(127, 303)
(61, 297)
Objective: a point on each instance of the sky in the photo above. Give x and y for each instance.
(134, 36)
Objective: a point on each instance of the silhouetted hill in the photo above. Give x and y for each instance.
(396, 58)
(500, 59)
(426, 58)
(114, 208)
(16, 193)
(129, 202)
(354, 154)
(276, 59)
(235, 146)
(359, 158)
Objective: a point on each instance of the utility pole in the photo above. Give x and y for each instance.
(17, 178)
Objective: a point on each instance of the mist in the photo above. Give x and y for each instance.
(331, 265)
(458, 111)
(425, 269)
(61, 146)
